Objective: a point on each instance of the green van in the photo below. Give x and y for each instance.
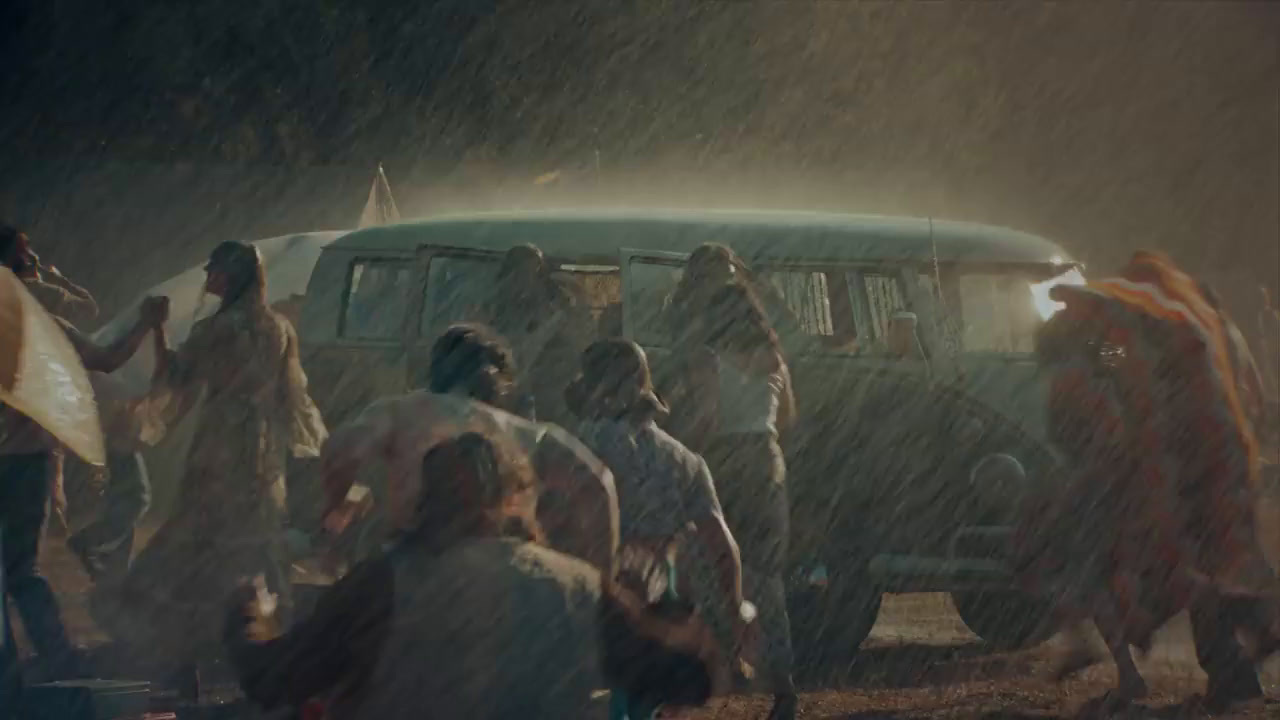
(881, 461)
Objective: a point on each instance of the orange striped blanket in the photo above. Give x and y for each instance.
(1146, 403)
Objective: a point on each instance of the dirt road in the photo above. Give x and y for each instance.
(920, 662)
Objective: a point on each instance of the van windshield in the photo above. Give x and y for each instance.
(815, 309)
(1000, 309)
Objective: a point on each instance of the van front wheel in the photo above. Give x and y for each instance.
(1005, 619)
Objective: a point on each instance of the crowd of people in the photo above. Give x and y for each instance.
(640, 545)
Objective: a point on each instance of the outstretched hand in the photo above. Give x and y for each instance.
(154, 310)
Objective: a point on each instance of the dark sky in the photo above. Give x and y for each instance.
(1105, 126)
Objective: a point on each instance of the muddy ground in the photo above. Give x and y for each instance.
(920, 662)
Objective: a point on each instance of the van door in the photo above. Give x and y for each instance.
(358, 309)
(648, 279)
(457, 283)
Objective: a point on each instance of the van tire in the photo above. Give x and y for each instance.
(1005, 619)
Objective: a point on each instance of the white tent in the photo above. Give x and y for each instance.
(380, 209)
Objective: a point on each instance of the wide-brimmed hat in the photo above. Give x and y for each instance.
(614, 381)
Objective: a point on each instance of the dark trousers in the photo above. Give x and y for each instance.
(1232, 676)
(106, 544)
(24, 509)
(10, 670)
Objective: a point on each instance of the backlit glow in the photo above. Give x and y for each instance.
(1040, 292)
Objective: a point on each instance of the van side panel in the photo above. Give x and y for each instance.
(319, 322)
(344, 375)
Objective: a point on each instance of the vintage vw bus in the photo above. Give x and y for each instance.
(881, 461)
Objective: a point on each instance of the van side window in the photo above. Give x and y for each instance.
(457, 288)
(377, 295)
(806, 296)
(884, 298)
(812, 307)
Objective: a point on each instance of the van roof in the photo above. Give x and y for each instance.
(599, 235)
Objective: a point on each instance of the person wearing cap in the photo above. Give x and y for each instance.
(663, 488)
(458, 619)
(471, 384)
(545, 325)
(256, 411)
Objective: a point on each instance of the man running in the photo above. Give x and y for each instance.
(471, 382)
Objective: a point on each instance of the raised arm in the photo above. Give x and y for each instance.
(60, 301)
(78, 302)
(160, 349)
(110, 357)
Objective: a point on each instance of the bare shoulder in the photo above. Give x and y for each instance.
(390, 408)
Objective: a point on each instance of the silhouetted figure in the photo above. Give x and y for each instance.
(664, 492)
(544, 324)
(472, 381)
(1145, 402)
(31, 477)
(742, 401)
(457, 620)
(228, 522)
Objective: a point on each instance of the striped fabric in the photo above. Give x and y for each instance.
(1165, 460)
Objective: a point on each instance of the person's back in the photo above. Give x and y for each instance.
(656, 477)
(397, 431)
(493, 628)
(420, 419)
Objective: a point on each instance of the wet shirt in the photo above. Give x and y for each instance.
(574, 485)
(662, 485)
(490, 628)
(747, 403)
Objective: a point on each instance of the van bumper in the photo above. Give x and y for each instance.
(921, 573)
(975, 561)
